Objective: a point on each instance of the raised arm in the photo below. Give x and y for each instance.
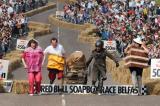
(126, 50)
(111, 56)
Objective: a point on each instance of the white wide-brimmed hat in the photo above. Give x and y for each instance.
(138, 40)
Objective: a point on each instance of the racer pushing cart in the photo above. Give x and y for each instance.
(99, 66)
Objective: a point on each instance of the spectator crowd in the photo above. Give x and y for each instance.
(120, 20)
(13, 23)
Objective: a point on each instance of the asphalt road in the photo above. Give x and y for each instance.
(68, 38)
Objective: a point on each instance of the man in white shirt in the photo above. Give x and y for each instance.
(56, 60)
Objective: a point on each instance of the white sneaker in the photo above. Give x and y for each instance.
(30, 94)
(99, 94)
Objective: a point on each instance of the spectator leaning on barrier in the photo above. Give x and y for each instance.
(56, 60)
(32, 60)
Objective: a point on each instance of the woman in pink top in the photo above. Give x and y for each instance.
(32, 60)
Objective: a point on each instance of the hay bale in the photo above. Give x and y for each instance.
(41, 32)
(88, 39)
(120, 74)
(94, 34)
(123, 76)
(88, 36)
(39, 29)
(2, 90)
(30, 35)
(10, 75)
(60, 23)
(15, 60)
(38, 25)
(81, 39)
(40, 9)
(84, 33)
(153, 87)
(14, 64)
(20, 87)
(92, 39)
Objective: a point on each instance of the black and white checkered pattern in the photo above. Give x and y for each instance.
(144, 90)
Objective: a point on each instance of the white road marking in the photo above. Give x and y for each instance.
(58, 34)
(63, 100)
(58, 23)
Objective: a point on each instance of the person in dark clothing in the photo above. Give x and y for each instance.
(99, 65)
(1, 50)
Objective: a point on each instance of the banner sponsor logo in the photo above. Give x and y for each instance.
(87, 89)
(110, 45)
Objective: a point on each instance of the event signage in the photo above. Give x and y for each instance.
(59, 14)
(88, 89)
(21, 44)
(110, 45)
(4, 69)
(155, 68)
(7, 85)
